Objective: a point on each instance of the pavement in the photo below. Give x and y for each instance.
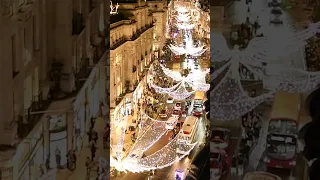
(80, 172)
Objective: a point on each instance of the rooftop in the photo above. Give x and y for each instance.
(119, 17)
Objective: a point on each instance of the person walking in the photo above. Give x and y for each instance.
(240, 165)
(48, 163)
(95, 136)
(93, 151)
(74, 159)
(58, 157)
(89, 133)
(234, 166)
(87, 164)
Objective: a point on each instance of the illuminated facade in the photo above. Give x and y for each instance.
(50, 52)
(135, 41)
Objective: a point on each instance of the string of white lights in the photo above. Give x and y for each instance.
(165, 157)
(147, 139)
(185, 26)
(181, 9)
(172, 74)
(230, 101)
(181, 93)
(164, 90)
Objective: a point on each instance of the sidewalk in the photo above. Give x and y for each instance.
(80, 172)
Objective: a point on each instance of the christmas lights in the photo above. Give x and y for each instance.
(181, 92)
(114, 9)
(185, 26)
(183, 18)
(148, 138)
(181, 9)
(164, 90)
(230, 101)
(165, 157)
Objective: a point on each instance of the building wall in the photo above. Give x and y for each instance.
(129, 55)
(30, 40)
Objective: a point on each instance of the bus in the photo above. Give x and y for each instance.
(281, 140)
(198, 103)
(260, 175)
(188, 129)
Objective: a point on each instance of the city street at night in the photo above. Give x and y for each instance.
(159, 127)
(258, 101)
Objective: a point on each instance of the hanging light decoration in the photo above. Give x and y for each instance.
(181, 9)
(113, 9)
(185, 26)
(229, 100)
(164, 90)
(181, 92)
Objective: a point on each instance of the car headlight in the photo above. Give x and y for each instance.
(266, 159)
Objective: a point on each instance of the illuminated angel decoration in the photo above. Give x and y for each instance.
(259, 58)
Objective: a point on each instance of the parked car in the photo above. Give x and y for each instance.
(274, 3)
(163, 113)
(178, 106)
(220, 138)
(170, 100)
(176, 113)
(276, 15)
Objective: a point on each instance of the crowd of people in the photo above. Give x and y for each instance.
(250, 132)
(312, 50)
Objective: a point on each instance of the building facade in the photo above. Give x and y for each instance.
(54, 68)
(134, 39)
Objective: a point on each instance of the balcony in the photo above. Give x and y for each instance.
(37, 104)
(77, 23)
(137, 34)
(118, 43)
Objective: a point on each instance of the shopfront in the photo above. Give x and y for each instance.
(58, 140)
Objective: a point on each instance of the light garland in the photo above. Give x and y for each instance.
(163, 158)
(181, 9)
(193, 51)
(229, 101)
(114, 9)
(181, 93)
(185, 26)
(183, 18)
(262, 49)
(164, 90)
(148, 138)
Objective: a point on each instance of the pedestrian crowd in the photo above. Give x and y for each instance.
(250, 132)
(312, 50)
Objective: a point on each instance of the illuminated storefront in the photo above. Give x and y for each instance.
(58, 140)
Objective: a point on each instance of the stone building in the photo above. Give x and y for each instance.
(136, 37)
(53, 76)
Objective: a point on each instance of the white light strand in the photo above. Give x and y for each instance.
(164, 90)
(181, 9)
(148, 138)
(181, 93)
(114, 9)
(185, 26)
(229, 101)
(193, 51)
(165, 157)
(172, 74)
(263, 49)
